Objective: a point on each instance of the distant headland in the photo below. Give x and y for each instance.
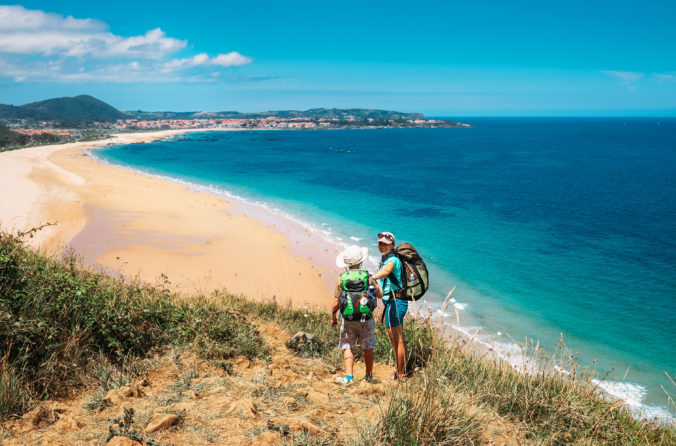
(83, 118)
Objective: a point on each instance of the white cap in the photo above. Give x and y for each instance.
(386, 237)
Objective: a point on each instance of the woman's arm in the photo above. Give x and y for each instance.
(376, 287)
(386, 271)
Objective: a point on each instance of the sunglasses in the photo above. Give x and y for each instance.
(387, 236)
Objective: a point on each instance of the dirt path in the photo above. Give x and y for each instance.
(236, 402)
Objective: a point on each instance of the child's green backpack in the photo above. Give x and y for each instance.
(356, 303)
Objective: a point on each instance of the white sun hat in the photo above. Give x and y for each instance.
(351, 255)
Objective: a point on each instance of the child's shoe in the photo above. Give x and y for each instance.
(369, 378)
(346, 381)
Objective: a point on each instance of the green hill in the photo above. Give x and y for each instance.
(75, 108)
(12, 112)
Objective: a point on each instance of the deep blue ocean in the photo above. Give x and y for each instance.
(547, 226)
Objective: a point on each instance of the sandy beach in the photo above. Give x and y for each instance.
(154, 230)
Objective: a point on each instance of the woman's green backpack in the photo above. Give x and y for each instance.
(414, 273)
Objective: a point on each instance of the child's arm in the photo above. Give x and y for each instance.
(334, 312)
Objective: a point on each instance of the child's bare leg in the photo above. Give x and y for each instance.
(349, 361)
(368, 359)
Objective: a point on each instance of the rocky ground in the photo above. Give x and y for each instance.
(182, 400)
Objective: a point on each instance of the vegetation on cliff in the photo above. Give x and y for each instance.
(61, 324)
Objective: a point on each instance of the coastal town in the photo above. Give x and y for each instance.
(121, 125)
(84, 118)
(272, 122)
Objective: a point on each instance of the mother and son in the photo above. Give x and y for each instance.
(355, 299)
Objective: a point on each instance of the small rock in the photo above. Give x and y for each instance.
(242, 363)
(161, 421)
(309, 427)
(301, 338)
(289, 400)
(67, 424)
(317, 398)
(123, 441)
(117, 396)
(243, 408)
(303, 343)
(37, 418)
(299, 424)
(269, 438)
(183, 406)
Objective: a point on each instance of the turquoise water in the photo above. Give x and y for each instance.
(546, 226)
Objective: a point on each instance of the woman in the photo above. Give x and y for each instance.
(395, 309)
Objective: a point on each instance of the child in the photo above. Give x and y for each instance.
(355, 299)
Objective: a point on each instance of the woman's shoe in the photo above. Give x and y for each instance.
(396, 377)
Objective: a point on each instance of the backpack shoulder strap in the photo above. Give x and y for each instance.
(343, 279)
(365, 277)
(392, 276)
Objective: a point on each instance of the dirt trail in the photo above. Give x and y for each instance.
(234, 402)
(251, 403)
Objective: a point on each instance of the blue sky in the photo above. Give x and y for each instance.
(440, 58)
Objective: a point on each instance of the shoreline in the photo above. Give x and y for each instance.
(151, 229)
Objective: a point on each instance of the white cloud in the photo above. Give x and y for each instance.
(17, 18)
(665, 76)
(233, 59)
(35, 45)
(626, 76)
(32, 32)
(188, 62)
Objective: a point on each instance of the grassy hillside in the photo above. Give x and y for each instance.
(68, 111)
(14, 112)
(59, 324)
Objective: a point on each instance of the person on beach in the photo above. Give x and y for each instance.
(355, 299)
(395, 309)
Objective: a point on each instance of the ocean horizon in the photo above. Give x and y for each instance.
(547, 227)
